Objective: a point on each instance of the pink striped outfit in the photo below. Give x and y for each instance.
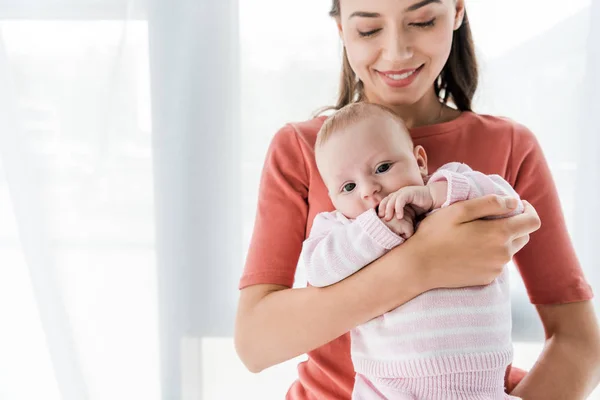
(444, 344)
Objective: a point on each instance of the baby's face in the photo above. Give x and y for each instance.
(368, 161)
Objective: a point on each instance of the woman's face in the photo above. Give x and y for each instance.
(398, 47)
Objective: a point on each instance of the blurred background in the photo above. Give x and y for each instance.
(132, 135)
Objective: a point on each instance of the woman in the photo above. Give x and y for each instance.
(415, 57)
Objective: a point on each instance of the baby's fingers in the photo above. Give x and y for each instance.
(390, 208)
(407, 228)
(381, 207)
(400, 206)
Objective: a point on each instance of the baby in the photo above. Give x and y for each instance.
(446, 343)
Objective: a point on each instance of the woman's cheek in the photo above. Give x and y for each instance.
(362, 56)
(435, 47)
(441, 38)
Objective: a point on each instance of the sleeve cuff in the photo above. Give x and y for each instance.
(458, 185)
(378, 230)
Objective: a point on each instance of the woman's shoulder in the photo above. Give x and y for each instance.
(294, 134)
(500, 125)
(304, 131)
(292, 148)
(493, 123)
(493, 132)
(476, 129)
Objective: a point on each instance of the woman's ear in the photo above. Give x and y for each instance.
(460, 14)
(340, 29)
(421, 158)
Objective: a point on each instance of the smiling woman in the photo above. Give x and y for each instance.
(416, 58)
(106, 154)
(385, 50)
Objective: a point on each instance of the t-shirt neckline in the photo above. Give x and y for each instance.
(430, 130)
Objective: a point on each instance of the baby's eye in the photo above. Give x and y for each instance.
(348, 187)
(383, 168)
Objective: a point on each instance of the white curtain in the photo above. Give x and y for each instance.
(119, 215)
(77, 249)
(132, 134)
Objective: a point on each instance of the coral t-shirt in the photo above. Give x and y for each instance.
(292, 193)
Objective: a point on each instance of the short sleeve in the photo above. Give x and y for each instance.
(548, 263)
(281, 215)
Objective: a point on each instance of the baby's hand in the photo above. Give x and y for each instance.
(404, 227)
(419, 197)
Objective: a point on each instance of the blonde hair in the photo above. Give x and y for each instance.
(351, 114)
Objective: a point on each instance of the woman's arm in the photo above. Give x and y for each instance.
(275, 323)
(569, 366)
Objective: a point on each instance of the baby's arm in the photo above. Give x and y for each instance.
(338, 247)
(463, 184)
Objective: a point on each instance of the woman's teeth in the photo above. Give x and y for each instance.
(398, 77)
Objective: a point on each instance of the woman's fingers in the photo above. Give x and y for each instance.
(524, 224)
(519, 243)
(486, 206)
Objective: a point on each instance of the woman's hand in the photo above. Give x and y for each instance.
(458, 249)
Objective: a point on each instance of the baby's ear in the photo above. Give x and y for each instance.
(421, 157)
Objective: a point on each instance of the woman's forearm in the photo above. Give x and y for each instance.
(276, 324)
(565, 370)
(569, 366)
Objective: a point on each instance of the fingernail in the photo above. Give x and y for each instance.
(510, 202)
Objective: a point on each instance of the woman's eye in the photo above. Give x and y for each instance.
(368, 33)
(383, 168)
(348, 187)
(425, 24)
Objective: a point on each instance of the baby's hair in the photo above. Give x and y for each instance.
(352, 114)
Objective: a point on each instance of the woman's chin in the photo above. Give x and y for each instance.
(405, 97)
(400, 99)
(392, 96)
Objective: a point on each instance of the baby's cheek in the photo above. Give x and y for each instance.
(403, 180)
(342, 206)
(353, 208)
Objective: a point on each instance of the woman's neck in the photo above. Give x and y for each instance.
(427, 111)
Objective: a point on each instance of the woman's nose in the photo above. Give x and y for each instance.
(397, 47)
